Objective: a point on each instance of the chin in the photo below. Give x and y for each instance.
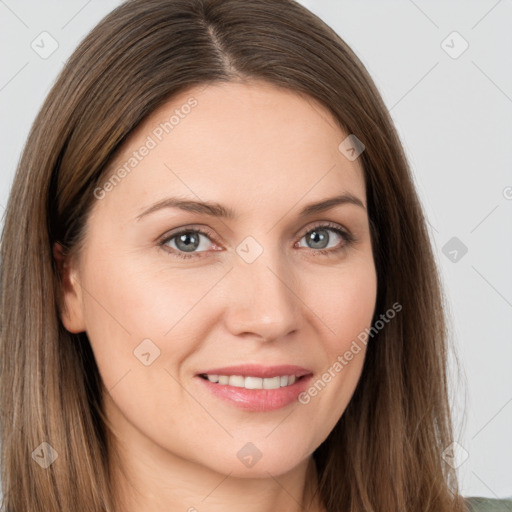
(259, 459)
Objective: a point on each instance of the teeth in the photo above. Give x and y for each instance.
(251, 382)
(272, 383)
(237, 381)
(240, 381)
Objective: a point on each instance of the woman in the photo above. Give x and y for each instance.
(217, 284)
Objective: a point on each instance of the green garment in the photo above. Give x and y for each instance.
(476, 504)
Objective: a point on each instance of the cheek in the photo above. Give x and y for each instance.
(347, 306)
(355, 307)
(139, 298)
(345, 302)
(141, 327)
(129, 302)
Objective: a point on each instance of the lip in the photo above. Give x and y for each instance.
(258, 400)
(256, 370)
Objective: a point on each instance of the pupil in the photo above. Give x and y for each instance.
(183, 242)
(319, 237)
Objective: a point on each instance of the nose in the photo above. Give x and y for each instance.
(263, 298)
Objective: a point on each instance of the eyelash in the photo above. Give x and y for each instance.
(347, 236)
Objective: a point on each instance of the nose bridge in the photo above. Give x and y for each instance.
(263, 302)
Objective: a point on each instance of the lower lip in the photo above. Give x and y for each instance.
(259, 400)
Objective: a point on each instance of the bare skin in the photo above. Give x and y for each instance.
(265, 153)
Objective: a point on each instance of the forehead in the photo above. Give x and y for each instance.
(247, 144)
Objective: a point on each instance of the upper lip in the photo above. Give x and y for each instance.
(256, 370)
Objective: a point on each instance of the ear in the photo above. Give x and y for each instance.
(70, 291)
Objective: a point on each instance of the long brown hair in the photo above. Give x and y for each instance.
(385, 453)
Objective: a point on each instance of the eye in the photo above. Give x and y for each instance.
(319, 239)
(189, 243)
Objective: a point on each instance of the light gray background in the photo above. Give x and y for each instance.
(454, 116)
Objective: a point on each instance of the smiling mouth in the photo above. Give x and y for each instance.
(250, 382)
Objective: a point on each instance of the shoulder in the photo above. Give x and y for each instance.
(477, 504)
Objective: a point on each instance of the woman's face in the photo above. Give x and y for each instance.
(273, 284)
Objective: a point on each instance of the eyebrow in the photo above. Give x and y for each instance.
(217, 210)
